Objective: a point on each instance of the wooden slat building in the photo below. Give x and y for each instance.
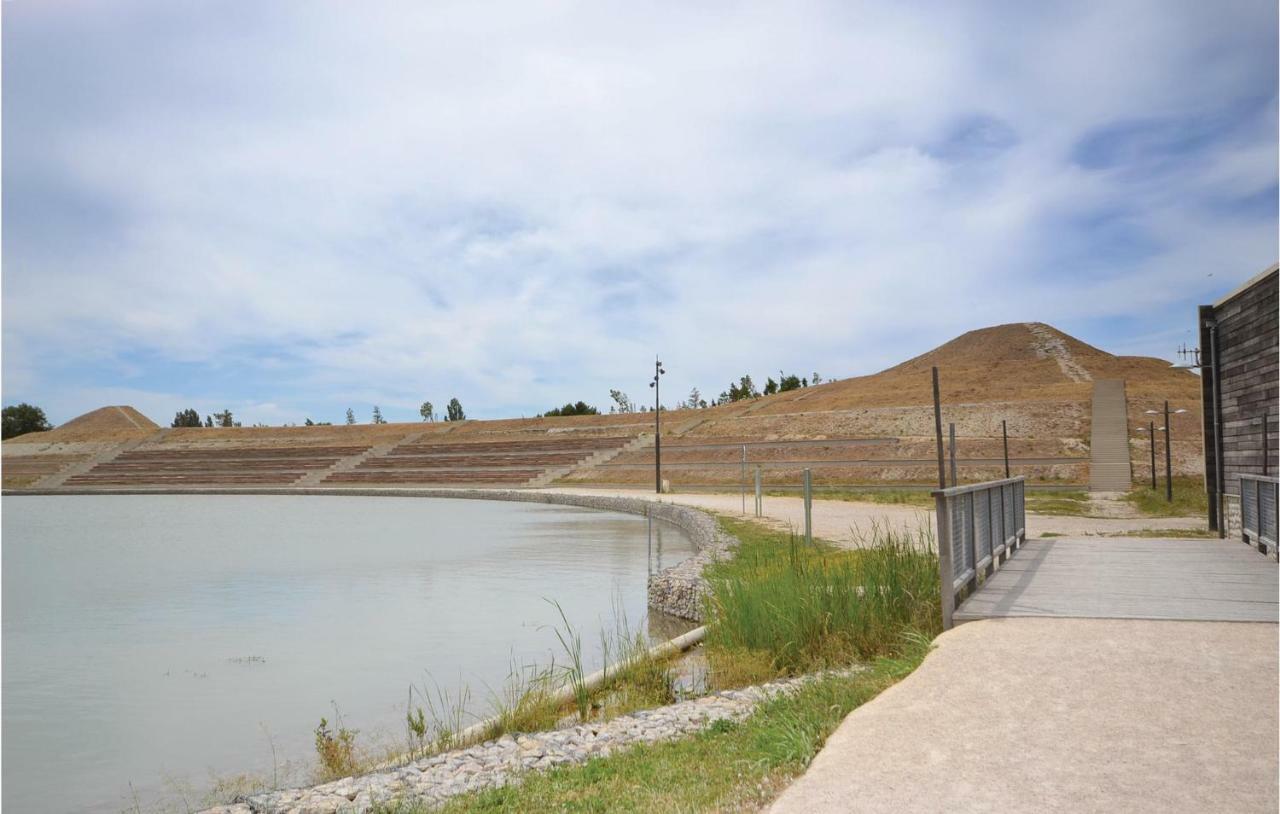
(1240, 336)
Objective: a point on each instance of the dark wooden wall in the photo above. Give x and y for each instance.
(1248, 356)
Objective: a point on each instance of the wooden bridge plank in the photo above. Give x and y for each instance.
(1131, 578)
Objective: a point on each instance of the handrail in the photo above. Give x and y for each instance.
(979, 527)
(976, 487)
(1259, 507)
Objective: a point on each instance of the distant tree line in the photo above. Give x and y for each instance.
(191, 418)
(580, 408)
(744, 388)
(20, 419)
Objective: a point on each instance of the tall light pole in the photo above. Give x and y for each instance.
(657, 424)
(1192, 360)
(1168, 452)
(1150, 430)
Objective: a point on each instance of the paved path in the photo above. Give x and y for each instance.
(1128, 578)
(1049, 715)
(840, 521)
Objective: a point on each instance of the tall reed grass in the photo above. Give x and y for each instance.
(798, 607)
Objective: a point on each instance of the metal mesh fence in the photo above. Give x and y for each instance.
(982, 502)
(1010, 526)
(1267, 510)
(1249, 505)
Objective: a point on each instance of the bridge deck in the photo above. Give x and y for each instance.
(1131, 578)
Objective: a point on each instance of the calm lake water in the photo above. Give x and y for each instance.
(153, 643)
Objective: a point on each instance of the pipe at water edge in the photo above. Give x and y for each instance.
(477, 732)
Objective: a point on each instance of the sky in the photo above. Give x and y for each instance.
(291, 208)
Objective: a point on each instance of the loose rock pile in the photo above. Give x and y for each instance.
(433, 780)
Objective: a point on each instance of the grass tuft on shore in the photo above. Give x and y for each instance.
(784, 607)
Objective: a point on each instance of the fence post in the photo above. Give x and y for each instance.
(759, 494)
(971, 545)
(808, 506)
(648, 517)
(1004, 432)
(946, 570)
(951, 429)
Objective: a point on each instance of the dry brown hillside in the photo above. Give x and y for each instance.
(876, 428)
(115, 423)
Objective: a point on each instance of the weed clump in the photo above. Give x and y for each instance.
(785, 607)
(336, 750)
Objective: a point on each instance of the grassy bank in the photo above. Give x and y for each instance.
(1057, 502)
(728, 767)
(1189, 499)
(777, 608)
(889, 497)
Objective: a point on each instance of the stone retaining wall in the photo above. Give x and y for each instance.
(431, 781)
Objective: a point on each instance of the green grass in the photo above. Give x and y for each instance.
(727, 767)
(1189, 499)
(897, 497)
(799, 607)
(1073, 504)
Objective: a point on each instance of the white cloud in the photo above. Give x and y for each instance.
(519, 205)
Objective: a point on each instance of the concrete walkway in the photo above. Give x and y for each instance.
(1070, 715)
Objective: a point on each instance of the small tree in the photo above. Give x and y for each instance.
(208, 421)
(770, 387)
(351, 416)
(622, 400)
(454, 411)
(23, 418)
(186, 418)
(695, 398)
(816, 379)
(377, 416)
(224, 419)
(427, 411)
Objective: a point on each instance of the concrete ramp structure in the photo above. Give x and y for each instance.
(1109, 467)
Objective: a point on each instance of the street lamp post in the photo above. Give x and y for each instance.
(1150, 430)
(657, 424)
(1168, 451)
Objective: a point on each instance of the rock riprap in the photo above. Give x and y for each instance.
(431, 781)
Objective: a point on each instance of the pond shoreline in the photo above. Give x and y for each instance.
(676, 591)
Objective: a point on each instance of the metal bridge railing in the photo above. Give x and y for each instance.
(979, 527)
(1259, 496)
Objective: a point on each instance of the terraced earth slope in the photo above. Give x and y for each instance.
(870, 429)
